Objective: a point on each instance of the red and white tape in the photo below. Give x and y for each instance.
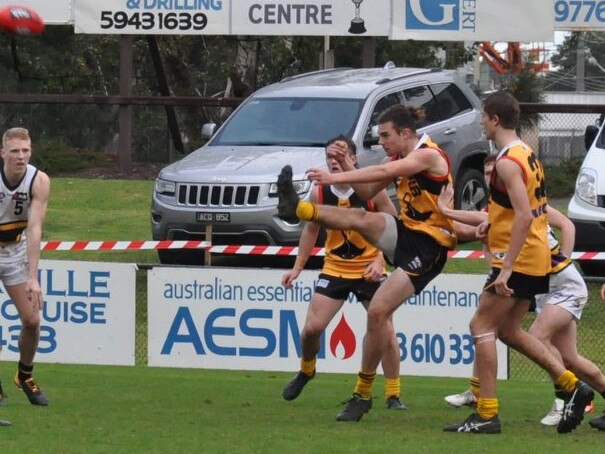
(237, 249)
(121, 245)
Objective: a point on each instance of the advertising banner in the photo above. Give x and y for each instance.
(220, 318)
(579, 14)
(473, 20)
(311, 17)
(55, 12)
(88, 315)
(152, 17)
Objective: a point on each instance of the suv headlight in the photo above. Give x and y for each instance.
(300, 186)
(586, 186)
(165, 187)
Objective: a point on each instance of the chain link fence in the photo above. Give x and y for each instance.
(591, 344)
(590, 334)
(558, 137)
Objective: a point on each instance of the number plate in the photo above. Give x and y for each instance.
(213, 218)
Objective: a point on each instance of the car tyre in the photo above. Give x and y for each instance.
(470, 191)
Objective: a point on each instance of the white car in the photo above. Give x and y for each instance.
(587, 206)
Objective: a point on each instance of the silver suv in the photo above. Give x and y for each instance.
(230, 182)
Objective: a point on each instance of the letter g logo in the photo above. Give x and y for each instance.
(432, 14)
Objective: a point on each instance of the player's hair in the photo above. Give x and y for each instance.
(490, 159)
(503, 104)
(403, 117)
(15, 133)
(345, 139)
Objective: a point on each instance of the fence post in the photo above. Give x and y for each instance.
(125, 113)
(207, 254)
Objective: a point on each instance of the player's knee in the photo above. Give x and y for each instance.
(539, 333)
(312, 330)
(377, 315)
(570, 361)
(30, 322)
(475, 325)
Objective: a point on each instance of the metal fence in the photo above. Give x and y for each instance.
(558, 137)
(591, 343)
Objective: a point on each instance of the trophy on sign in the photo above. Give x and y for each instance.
(357, 25)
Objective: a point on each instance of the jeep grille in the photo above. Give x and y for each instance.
(211, 195)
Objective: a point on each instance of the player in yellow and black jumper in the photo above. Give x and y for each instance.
(416, 242)
(521, 262)
(351, 265)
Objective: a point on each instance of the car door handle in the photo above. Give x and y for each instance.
(450, 131)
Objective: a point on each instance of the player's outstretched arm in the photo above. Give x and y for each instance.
(568, 230)
(445, 204)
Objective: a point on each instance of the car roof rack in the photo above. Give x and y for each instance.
(313, 73)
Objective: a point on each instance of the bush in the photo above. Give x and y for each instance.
(561, 179)
(54, 157)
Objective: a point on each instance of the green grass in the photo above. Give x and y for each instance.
(118, 409)
(95, 210)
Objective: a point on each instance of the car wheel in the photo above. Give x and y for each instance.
(181, 257)
(470, 191)
(592, 267)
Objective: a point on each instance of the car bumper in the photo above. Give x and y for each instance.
(248, 226)
(589, 221)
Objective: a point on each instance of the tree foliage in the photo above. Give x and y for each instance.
(563, 78)
(61, 62)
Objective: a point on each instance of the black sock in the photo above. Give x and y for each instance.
(559, 393)
(25, 372)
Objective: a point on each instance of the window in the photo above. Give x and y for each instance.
(422, 97)
(383, 104)
(450, 100)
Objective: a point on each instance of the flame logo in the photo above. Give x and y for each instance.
(342, 341)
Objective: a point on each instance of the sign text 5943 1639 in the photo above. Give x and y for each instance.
(153, 17)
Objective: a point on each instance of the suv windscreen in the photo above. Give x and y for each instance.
(290, 121)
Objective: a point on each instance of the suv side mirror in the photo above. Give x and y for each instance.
(375, 132)
(208, 130)
(589, 135)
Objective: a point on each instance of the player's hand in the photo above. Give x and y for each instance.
(34, 293)
(338, 150)
(445, 201)
(321, 176)
(501, 282)
(374, 271)
(603, 292)
(482, 230)
(288, 278)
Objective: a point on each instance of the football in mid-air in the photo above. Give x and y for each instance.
(20, 20)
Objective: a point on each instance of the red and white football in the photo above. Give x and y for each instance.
(20, 20)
